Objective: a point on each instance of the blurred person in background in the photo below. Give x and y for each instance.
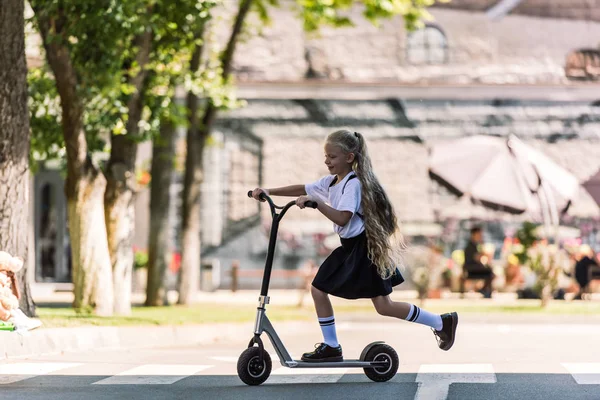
(476, 263)
(586, 268)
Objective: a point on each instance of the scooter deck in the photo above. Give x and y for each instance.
(334, 364)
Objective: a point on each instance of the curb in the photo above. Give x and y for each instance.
(57, 340)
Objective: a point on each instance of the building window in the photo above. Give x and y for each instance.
(427, 46)
(583, 64)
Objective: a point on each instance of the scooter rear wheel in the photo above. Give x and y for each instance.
(382, 352)
(250, 370)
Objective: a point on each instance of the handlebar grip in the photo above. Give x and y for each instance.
(261, 196)
(311, 204)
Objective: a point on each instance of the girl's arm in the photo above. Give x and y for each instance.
(340, 218)
(293, 190)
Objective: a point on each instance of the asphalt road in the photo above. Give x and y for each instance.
(491, 359)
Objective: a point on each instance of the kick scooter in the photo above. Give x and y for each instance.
(378, 360)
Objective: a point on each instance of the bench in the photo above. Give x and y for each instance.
(463, 280)
(307, 273)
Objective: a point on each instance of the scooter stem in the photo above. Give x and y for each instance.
(269, 262)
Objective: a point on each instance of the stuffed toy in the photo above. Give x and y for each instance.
(10, 314)
(8, 300)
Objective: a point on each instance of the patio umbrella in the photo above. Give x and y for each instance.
(503, 174)
(592, 185)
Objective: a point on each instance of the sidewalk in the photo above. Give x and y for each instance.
(57, 340)
(282, 297)
(292, 298)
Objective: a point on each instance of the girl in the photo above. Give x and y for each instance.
(365, 264)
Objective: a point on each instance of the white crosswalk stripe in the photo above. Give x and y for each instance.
(15, 372)
(307, 375)
(584, 373)
(434, 379)
(153, 374)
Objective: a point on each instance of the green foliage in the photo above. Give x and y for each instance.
(316, 13)
(208, 81)
(101, 39)
(140, 259)
(548, 262)
(47, 140)
(261, 7)
(527, 238)
(98, 35)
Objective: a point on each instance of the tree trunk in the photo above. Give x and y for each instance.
(92, 273)
(14, 143)
(84, 186)
(191, 207)
(545, 295)
(159, 240)
(190, 261)
(121, 186)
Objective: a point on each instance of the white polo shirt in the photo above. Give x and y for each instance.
(348, 201)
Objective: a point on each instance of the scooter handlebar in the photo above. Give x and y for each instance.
(309, 204)
(261, 196)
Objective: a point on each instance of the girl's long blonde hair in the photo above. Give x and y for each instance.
(385, 242)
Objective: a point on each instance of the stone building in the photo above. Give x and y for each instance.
(461, 46)
(472, 70)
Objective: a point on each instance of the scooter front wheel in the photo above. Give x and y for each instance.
(250, 370)
(389, 358)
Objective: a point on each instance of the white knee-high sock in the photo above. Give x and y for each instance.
(423, 317)
(328, 329)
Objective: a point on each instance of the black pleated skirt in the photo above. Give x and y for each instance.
(349, 273)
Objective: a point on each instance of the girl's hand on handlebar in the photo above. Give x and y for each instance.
(300, 201)
(256, 193)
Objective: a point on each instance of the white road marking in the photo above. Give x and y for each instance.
(435, 379)
(307, 375)
(10, 373)
(153, 374)
(584, 373)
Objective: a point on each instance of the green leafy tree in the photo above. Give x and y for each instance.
(119, 196)
(96, 53)
(115, 65)
(175, 52)
(157, 66)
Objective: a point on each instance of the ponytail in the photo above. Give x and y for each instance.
(385, 243)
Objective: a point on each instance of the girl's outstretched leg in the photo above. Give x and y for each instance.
(443, 326)
(330, 349)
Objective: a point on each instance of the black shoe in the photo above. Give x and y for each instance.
(446, 335)
(322, 353)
